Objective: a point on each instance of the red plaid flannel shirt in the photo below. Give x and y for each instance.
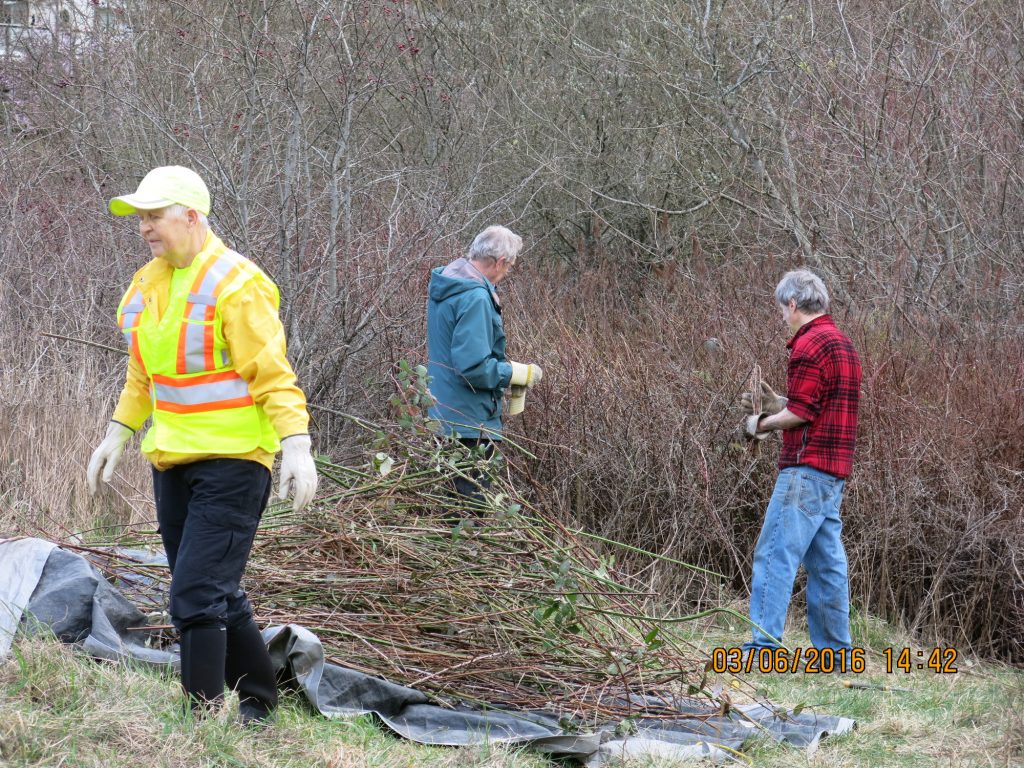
(823, 387)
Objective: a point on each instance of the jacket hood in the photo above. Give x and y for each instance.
(458, 277)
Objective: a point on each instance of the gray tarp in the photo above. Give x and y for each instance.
(43, 585)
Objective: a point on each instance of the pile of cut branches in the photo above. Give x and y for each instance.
(503, 606)
(486, 601)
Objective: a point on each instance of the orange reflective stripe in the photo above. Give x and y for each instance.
(193, 340)
(219, 405)
(209, 392)
(196, 336)
(197, 342)
(181, 366)
(208, 378)
(208, 338)
(226, 280)
(218, 289)
(128, 320)
(135, 350)
(198, 282)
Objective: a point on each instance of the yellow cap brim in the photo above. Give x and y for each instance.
(126, 205)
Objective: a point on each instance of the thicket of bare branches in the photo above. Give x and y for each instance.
(665, 163)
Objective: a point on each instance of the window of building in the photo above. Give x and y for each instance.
(105, 18)
(14, 12)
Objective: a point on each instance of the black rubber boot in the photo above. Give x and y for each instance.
(202, 665)
(250, 672)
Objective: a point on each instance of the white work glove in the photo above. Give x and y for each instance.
(298, 472)
(106, 457)
(771, 401)
(524, 375)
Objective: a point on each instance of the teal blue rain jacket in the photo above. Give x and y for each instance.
(466, 351)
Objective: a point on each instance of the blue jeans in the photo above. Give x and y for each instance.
(802, 525)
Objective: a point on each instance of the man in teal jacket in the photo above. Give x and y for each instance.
(466, 343)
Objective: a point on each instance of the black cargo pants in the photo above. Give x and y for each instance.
(208, 512)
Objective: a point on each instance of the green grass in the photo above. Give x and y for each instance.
(58, 707)
(973, 718)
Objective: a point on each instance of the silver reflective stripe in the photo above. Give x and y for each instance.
(200, 298)
(197, 329)
(195, 335)
(199, 394)
(130, 315)
(195, 356)
(216, 273)
(197, 313)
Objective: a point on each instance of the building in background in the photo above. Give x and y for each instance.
(25, 24)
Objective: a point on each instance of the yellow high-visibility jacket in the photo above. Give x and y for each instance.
(208, 361)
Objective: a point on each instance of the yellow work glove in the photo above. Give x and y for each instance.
(525, 375)
(771, 402)
(298, 471)
(107, 455)
(516, 400)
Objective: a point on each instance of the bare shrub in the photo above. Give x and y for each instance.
(665, 162)
(635, 435)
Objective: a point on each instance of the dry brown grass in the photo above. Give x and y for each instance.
(49, 422)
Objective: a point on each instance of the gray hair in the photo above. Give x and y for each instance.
(804, 287)
(495, 242)
(179, 210)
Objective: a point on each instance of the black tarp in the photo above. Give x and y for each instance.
(44, 585)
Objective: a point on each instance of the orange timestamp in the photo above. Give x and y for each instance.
(939, 660)
(782, 660)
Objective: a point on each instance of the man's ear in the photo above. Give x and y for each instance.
(192, 215)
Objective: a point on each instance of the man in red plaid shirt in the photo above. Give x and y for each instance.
(818, 419)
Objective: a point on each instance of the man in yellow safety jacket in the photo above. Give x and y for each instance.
(208, 365)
